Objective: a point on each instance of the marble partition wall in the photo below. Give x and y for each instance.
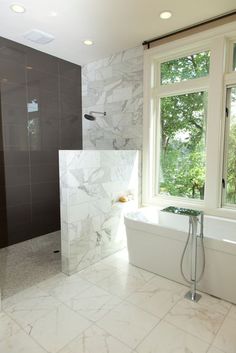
(91, 183)
(114, 85)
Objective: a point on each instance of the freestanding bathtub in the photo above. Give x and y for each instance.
(156, 241)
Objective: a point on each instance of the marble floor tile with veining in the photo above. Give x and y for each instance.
(57, 328)
(26, 311)
(128, 323)
(8, 327)
(93, 303)
(166, 338)
(200, 320)
(215, 350)
(158, 296)
(114, 307)
(97, 272)
(121, 284)
(226, 337)
(64, 287)
(20, 343)
(96, 340)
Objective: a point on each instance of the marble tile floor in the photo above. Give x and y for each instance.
(28, 263)
(114, 307)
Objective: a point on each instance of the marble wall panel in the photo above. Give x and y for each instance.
(91, 183)
(114, 85)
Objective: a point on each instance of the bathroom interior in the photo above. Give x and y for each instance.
(117, 177)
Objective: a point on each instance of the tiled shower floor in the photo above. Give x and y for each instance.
(28, 263)
(113, 307)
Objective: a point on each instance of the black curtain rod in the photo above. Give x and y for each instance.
(184, 29)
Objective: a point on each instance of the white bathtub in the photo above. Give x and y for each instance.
(156, 241)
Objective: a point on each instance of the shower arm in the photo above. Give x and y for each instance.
(93, 112)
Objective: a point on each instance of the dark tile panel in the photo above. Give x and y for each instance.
(16, 157)
(2, 196)
(17, 195)
(16, 175)
(69, 71)
(41, 61)
(70, 87)
(45, 172)
(3, 228)
(12, 114)
(16, 136)
(47, 107)
(14, 94)
(12, 72)
(46, 193)
(12, 51)
(41, 98)
(20, 233)
(44, 157)
(46, 215)
(70, 103)
(18, 215)
(42, 81)
(71, 133)
(43, 135)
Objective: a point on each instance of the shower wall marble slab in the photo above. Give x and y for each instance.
(114, 85)
(91, 183)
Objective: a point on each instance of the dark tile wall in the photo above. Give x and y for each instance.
(40, 113)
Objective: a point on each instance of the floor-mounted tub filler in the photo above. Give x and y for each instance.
(159, 242)
(195, 219)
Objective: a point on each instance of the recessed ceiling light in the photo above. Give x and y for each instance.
(165, 15)
(18, 8)
(53, 13)
(88, 42)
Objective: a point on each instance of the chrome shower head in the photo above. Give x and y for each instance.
(91, 116)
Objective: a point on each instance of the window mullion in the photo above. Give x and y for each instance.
(215, 126)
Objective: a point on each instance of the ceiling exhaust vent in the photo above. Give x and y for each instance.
(39, 37)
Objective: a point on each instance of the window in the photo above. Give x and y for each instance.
(182, 145)
(234, 57)
(186, 68)
(182, 119)
(229, 180)
(189, 142)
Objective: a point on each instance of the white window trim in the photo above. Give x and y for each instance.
(220, 76)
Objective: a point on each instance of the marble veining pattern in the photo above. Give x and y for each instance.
(114, 85)
(86, 318)
(91, 183)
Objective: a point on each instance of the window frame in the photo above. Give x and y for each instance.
(218, 41)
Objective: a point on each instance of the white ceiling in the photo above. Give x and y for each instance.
(113, 25)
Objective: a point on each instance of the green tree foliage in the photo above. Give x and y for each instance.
(183, 121)
(231, 153)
